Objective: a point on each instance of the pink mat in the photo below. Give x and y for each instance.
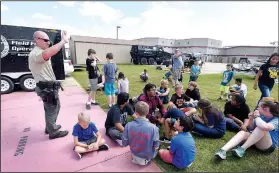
(22, 115)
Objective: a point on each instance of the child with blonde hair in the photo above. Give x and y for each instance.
(163, 91)
(87, 137)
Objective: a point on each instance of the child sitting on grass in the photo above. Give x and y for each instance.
(163, 92)
(262, 134)
(238, 88)
(181, 101)
(123, 83)
(168, 75)
(87, 137)
(193, 92)
(144, 76)
(182, 150)
(210, 122)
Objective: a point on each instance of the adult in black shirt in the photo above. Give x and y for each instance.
(192, 91)
(236, 112)
(266, 75)
(93, 73)
(117, 117)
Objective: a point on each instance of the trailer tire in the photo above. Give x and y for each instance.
(27, 83)
(7, 85)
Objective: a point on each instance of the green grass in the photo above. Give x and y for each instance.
(209, 88)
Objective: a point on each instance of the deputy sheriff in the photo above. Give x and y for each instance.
(46, 85)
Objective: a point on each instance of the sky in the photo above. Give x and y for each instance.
(234, 23)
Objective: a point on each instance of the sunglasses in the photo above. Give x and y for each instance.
(45, 40)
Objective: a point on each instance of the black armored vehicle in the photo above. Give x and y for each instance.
(190, 58)
(150, 55)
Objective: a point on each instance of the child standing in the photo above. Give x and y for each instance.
(144, 76)
(225, 84)
(87, 138)
(123, 83)
(195, 71)
(93, 73)
(110, 70)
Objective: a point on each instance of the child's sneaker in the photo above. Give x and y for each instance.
(119, 142)
(220, 98)
(239, 152)
(103, 147)
(80, 155)
(165, 140)
(88, 106)
(94, 103)
(221, 154)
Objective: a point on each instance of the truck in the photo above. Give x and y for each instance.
(16, 44)
(141, 54)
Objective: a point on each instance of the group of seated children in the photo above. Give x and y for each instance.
(185, 113)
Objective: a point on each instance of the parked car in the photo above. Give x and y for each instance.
(68, 67)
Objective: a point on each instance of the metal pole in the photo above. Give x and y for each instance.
(117, 27)
(116, 32)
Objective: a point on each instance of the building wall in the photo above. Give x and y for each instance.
(79, 46)
(121, 53)
(248, 51)
(211, 48)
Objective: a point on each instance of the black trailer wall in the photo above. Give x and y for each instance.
(16, 44)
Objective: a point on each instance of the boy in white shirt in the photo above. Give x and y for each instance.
(144, 75)
(238, 88)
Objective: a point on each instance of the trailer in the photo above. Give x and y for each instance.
(16, 44)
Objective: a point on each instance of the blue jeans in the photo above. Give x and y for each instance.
(265, 90)
(231, 125)
(208, 132)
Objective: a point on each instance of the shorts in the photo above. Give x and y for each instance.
(224, 89)
(140, 161)
(88, 142)
(109, 89)
(114, 134)
(269, 150)
(266, 151)
(167, 157)
(176, 73)
(93, 84)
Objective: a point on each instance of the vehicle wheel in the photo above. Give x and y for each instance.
(27, 83)
(151, 61)
(136, 62)
(7, 85)
(143, 61)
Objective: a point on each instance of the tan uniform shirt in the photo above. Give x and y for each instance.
(40, 69)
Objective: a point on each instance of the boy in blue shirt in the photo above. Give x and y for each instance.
(110, 70)
(182, 151)
(225, 84)
(87, 138)
(195, 71)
